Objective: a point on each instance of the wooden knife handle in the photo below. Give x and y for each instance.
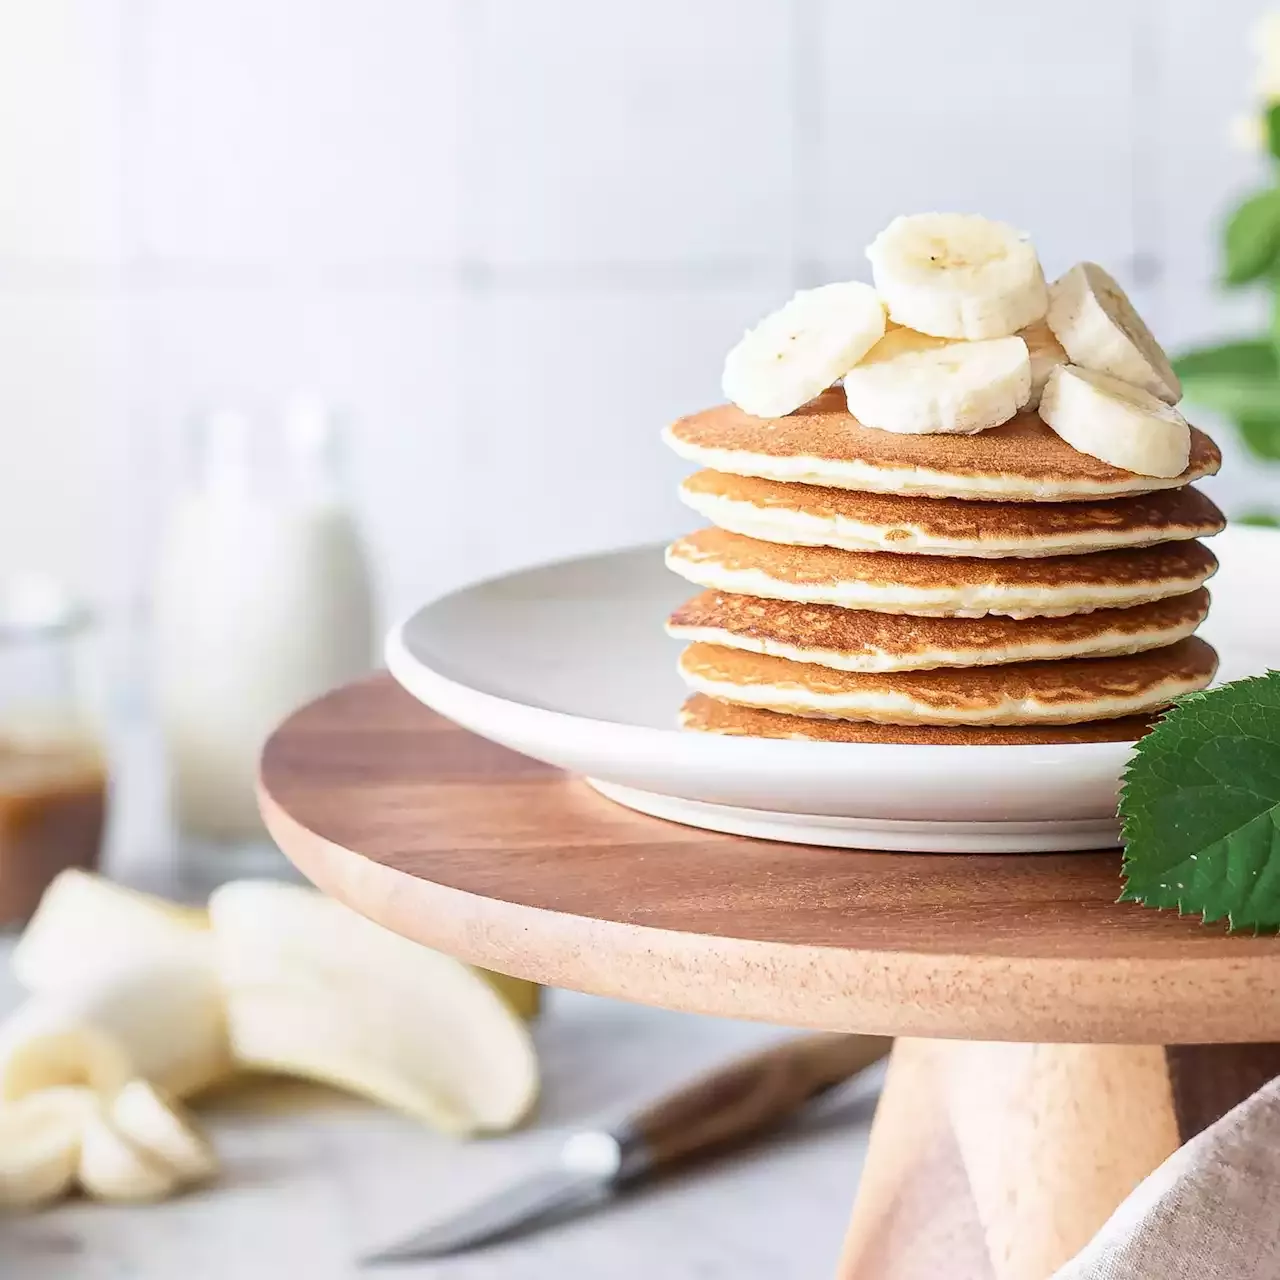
(747, 1098)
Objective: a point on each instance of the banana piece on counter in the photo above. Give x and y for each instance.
(1092, 317)
(111, 1167)
(164, 1130)
(803, 348)
(164, 1021)
(1046, 355)
(44, 1045)
(317, 991)
(916, 384)
(958, 275)
(86, 924)
(1116, 422)
(40, 1138)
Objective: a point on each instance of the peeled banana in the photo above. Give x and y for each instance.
(164, 1022)
(803, 348)
(915, 384)
(315, 990)
(958, 275)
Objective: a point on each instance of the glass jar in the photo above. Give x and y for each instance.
(262, 602)
(53, 774)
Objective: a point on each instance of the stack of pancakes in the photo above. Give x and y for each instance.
(864, 586)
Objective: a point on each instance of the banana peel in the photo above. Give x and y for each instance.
(40, 1138)
(315, 990)
(86, 923)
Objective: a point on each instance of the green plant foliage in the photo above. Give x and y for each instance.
(1253, 238)
(1201, 807)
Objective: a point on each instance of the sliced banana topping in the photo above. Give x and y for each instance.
(915, 384)
(801, 349)
(958, 275)
(40, 1145)
(1046, 355)
(164, 1130)
(1092, 317)
(1116, 422)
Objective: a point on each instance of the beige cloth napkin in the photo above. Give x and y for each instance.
(1211, 1211)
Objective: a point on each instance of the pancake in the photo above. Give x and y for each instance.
(815, 516)
(856, 640)
(1064, 692)
(708, 715)
(938, 586)
(822, 443)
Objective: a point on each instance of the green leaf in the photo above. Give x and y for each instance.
(1239, 379)
(1259, 519)
(1201, 807)
(1253, 238)
(1273, 129)
(1253, 358)
(1262, 435)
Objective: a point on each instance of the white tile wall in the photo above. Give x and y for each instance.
(1006, 108)
(316, 131)
(628, 133)
(513, 237)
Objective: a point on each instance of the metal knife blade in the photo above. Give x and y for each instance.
(523, 1206)
(727, 1108)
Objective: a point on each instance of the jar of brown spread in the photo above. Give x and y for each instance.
(53, 776)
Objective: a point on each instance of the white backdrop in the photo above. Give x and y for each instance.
(514, 237)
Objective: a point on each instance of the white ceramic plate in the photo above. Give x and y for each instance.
(569, 663)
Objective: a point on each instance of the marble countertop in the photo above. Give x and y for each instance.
(312, 1179)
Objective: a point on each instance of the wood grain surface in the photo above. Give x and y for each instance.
(998, 1161)
(508, 863)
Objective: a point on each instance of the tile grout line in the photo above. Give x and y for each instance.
(805, 101)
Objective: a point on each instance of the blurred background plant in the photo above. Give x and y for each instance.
(1241, 379)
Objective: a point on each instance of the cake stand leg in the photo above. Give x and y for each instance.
(995, 1161)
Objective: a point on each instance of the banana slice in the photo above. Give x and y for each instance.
(40, 1145)
(163, 1129)
(1096, 323)
(163, 1021)
(916, 385)
(1046, 355)
(1119, 423)
(958, 275)
(113, 1168)
(85, 925)
(315, 990)
(799, 351)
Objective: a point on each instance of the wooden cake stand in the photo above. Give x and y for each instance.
(1055, 1046)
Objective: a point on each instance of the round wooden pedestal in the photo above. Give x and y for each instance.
(1126, 1030)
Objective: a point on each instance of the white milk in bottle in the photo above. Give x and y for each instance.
(262, 602)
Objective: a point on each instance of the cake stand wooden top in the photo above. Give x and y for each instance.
(508, 863)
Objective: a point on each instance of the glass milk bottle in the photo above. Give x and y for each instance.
(262, 603)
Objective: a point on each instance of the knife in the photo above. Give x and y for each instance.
(725, 1109)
